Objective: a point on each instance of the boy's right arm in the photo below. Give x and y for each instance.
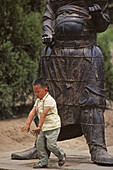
(29, 120)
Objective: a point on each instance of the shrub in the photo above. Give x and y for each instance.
(20, 48)
(105, 39)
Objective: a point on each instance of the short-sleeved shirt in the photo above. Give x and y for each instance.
(52, 119)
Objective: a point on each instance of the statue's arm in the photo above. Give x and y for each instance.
(48, 24)
(100, 17)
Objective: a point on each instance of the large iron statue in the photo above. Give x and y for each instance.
(73, 65)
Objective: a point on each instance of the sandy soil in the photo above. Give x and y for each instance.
(12, 139)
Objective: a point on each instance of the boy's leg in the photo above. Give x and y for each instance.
(41, 149)
(51, 139)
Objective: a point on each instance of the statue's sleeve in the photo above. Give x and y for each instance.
(48, 20)
(101, 18)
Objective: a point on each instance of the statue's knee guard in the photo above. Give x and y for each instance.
(92, 122)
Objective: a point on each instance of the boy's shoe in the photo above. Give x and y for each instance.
(39, 165)
(61, 161)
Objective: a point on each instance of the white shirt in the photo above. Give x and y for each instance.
(52, 120)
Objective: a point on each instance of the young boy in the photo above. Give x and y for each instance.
(49, 125)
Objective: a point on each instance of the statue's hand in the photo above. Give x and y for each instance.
(48, 40)
(100, 18)
(94, 9)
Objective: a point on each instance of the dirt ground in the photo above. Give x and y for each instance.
(12, 139)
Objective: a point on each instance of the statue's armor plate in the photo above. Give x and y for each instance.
(75, 78)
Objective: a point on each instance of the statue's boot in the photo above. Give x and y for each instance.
(26, 154)
(92, 122)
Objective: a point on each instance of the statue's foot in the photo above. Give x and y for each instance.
(100, 156)
(27, 154)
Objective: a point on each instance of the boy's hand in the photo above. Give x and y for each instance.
(25, 128)
(36, 131)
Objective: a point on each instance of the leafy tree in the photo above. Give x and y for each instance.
(111, 10)
(104, 40)
(37, 5)
(20, 48)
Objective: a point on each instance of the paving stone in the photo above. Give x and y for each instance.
(74, 161)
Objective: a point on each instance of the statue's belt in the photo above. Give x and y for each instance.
(75, 44)
(73, 9)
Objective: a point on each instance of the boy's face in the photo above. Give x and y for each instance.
(39, 92)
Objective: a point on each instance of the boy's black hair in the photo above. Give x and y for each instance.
(40, 81)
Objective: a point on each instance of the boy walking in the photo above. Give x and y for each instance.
(49, 125)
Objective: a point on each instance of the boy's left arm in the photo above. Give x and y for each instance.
(41, 121)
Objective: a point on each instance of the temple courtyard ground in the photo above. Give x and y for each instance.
(78, 157)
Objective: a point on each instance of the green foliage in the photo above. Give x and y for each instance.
(20, 48)
(5, 98)
(105, 40)
(111, 10)
(37, 5)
